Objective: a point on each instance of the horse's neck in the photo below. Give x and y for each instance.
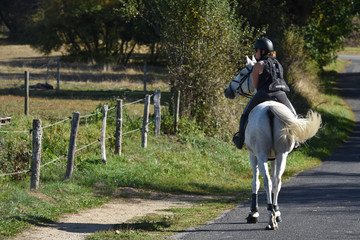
(249, 84)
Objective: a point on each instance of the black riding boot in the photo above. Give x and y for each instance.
(239, 137)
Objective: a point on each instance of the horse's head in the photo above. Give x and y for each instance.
(242, 84)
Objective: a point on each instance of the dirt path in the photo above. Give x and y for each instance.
(78, 226)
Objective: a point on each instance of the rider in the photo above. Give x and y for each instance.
(268, 81)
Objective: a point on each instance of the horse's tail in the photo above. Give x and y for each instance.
(301, 129)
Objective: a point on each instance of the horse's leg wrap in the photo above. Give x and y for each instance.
(277, 213)
(272, 224)
(254, 203)
(270, 208)
(254, 210)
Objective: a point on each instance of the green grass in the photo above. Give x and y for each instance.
(188, 163)
(350, 51)
(173, 164)
(21, 208)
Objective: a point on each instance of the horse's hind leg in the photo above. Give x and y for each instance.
(264, 170)
(278, 169)
(275, 190)
(254, 209)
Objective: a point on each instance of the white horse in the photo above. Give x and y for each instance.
(271, 133)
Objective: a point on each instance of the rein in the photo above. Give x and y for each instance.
(242, 80)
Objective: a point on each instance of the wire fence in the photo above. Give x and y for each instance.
(37, 131)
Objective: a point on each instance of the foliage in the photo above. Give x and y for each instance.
(291, 53)
(91, 31)
(327, 28)
(205, 45)
(264, 13)
(354, 39)
(185, 126)
(325, 23)
(107, 31)
(15, 155)
(16, 16)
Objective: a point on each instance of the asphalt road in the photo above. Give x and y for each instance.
(319, 203)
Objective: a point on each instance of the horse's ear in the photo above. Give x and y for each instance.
(248, 61)
(253, 59)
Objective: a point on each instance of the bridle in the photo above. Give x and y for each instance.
(242, 80)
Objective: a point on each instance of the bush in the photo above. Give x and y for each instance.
(206, 45)
(327, 28)
(15, 156)
(291, 53)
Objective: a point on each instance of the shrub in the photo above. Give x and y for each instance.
(206, 45)
(15, 156)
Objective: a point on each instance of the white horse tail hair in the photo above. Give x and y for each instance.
(301, 129)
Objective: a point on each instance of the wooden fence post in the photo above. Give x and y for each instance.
(36, 154)
(145, 128)
(118, 133)
(103, 132)
(177, 108)
(157, 112)
(27, 79)
(58, 75)
(72, 145)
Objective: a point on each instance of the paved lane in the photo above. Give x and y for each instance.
(320, 203)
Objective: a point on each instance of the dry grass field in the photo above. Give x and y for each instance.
(83, 87)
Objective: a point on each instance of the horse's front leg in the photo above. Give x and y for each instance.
(264, 170)
(254, 209)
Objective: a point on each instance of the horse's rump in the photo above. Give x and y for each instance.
(279, 129)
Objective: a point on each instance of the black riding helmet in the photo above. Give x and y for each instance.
(264, 44)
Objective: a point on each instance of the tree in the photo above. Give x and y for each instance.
(325, 23)
(90, 30)
(205, 45)
(327, 29)
(16, 15)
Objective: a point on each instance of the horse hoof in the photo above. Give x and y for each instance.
(251, 219)
(272, 224)
(269, 227)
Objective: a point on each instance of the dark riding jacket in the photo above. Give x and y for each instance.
(271, 86)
